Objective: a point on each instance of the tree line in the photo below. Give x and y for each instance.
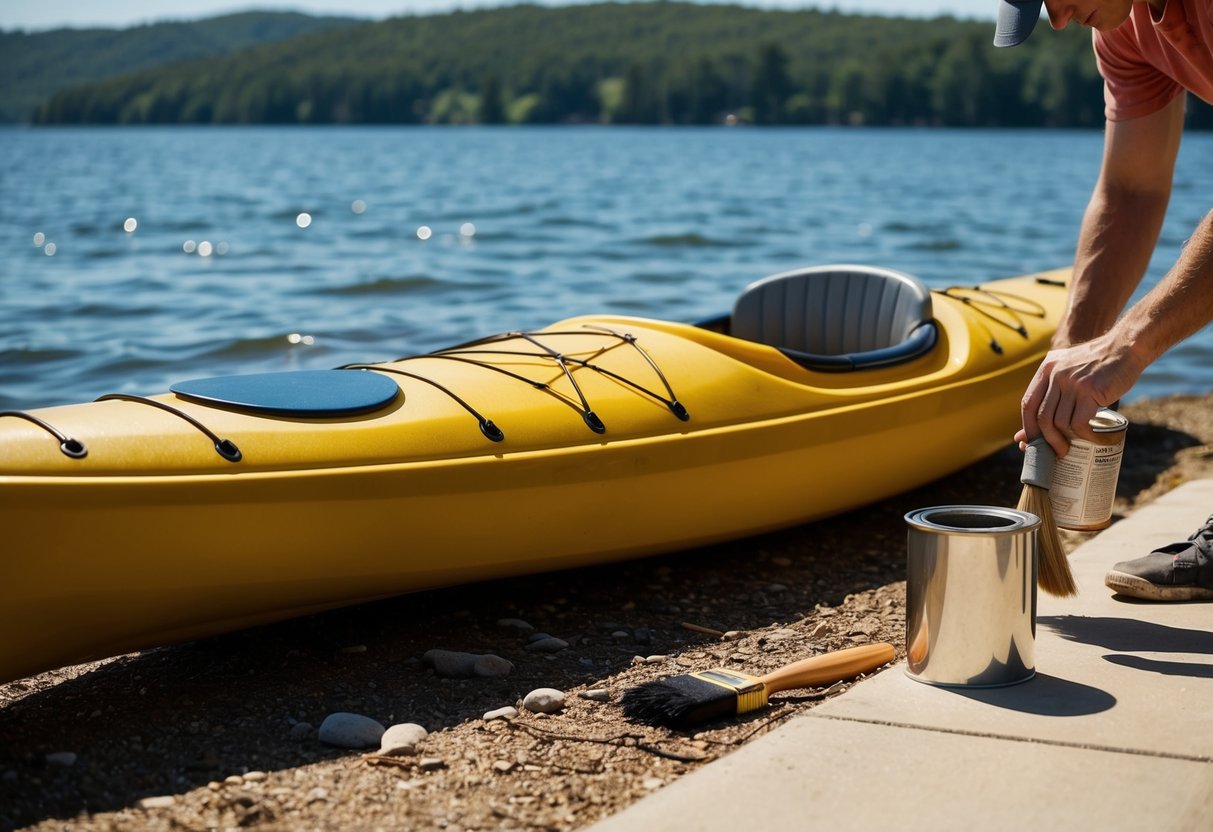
(35, 65)
(636, 63)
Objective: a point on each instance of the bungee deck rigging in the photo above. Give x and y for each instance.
(1003, 308)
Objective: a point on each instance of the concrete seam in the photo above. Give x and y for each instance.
(1191, 758)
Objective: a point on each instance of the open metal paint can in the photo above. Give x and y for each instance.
(971, 596)
(1084, 481)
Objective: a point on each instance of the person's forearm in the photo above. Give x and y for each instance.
(1119, 231)
(1178, 306)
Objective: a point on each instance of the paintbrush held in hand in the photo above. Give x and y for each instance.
(1053, 567)
(683, 701)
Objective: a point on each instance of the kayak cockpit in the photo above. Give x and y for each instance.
(836, 318)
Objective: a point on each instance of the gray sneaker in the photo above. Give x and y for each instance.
(1178, 572)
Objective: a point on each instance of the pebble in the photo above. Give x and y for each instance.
(346, 730)
(508, 712)
(596, 695)
(163, 801)
(317, 794)
(451, 664)
(61, 758)
(551, 644)
(504, 766)
(651, 783)
(233, 780)
(402, 739)
(431, 763)
(255, 776)
(544, 701)
(515, 624)
(823, 628)
(301, 730)
(731, 635)
(537, 637)
(656, 659)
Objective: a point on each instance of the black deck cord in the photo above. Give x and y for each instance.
(538, 385)
(997, 301)
(226, 448)
(487, 427)
(675, 406)
(588, 416)
(73, 448)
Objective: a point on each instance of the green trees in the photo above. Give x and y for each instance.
(634, 63)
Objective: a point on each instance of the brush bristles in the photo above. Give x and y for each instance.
(1053, 566)
(683, 701)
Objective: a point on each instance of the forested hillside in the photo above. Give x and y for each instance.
(35, 65)
(636, 63)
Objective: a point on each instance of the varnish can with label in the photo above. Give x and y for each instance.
(1084, 480)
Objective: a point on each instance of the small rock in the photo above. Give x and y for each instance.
(504, 766)
(346, 730)
(544, 701)
(508, 712)
(317, 794)
(61, 758)
(163, 801)
(402, 740)
(777, 588)
(651, 783)
(550, 644)
(515, 624)
(596, 695)
(491, 667)
(451, 664)
(731, 635)
(621, 635)
(656, 659)
(233, 780)
(431, 763)
(537, 637)
(255, 776)
(823, 628)
(301, 730)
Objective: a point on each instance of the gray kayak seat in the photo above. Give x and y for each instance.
(838, 318)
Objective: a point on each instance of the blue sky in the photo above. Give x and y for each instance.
(47, 14)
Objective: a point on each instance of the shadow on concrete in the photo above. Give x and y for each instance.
(1128, 635)
(1044, 695)
(1190, 669)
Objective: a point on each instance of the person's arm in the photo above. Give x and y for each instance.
(1122, 222)
(1097, 359)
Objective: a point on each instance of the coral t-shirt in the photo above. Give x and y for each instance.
(1151, 58)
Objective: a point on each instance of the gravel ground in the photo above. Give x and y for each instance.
(222, 733)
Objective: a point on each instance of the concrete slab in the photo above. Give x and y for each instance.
(835, 775)
(1115, 732)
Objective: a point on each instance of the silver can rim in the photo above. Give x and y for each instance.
(980, 521)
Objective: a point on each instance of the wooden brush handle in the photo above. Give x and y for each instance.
(829, 668)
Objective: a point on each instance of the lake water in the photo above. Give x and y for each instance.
(423, 237)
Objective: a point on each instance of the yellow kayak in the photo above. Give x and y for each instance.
(131, 522)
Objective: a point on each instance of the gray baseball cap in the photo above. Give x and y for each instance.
(1016, 20)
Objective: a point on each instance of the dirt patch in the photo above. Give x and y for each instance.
(221, 733)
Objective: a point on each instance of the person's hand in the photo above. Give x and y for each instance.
(1070, 385)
